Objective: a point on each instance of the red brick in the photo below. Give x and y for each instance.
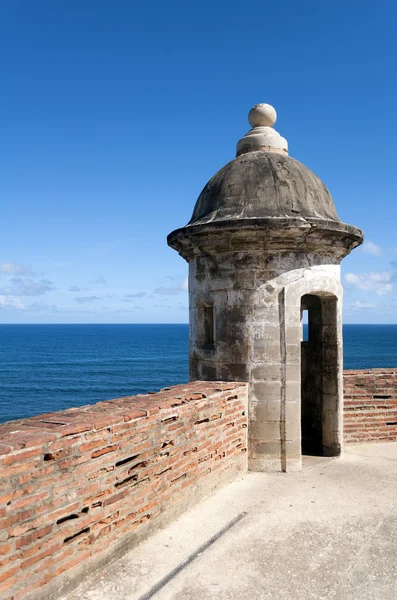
(91, 445)
(31, 586)
(130, 517)
(134, 414)
(100, 472)
(37, 473)
(63, 444)
(74, 428)
(365, 415)
(9, 573)
(74, 461)
(41, 545)
(5, 585)
(22, 455)
(5, 498)
(33, 536)
(30, 437)
(71, 562)
(101, 533)
(106, 450)
(28, 500)
(65, 554)
(37, 556)
(115, 497)
(17, 517)
(17, 469)
(100, 496)
(102, 421)
(5, 549)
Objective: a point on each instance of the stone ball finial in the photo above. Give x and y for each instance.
(262, 115)
(262, 136)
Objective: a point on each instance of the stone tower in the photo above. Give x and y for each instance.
(264, 245)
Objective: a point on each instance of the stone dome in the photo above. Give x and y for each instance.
(265, 190)
(263, 185)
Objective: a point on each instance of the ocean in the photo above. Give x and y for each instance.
(44, 368)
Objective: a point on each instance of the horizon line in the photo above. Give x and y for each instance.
(180, 323)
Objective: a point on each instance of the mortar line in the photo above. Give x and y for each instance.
(164, 580)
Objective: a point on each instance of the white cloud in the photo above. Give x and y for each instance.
(358, 305)
(84, 299)
(15, 269)
(75, 288)
(380, 283)
(372, 249)
(100, 280)
(42, 307)
(26, 286)
(137, 295)
(394, 250)
(172, 290)
(6, 302)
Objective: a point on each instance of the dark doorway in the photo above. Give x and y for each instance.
(311, 376)
(320, 365)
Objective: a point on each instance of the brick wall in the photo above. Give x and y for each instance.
(86, 483)
(370, 405)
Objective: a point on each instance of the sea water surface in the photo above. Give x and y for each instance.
(44, 368)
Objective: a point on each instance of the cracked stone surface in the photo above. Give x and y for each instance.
(327, 532)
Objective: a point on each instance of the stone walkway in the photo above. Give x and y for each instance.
(328, 532)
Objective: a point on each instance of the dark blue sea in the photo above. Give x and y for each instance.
(45, 368)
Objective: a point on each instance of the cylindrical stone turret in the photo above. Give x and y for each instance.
(264, 245)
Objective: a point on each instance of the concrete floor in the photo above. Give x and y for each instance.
(328, 532)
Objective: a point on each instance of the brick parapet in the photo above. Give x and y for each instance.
(370, 405)
(76, 483)
(89, 482)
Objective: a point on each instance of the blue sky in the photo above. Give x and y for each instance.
(114, 114)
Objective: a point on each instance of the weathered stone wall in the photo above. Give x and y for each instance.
(79, 486)
(255, 295)
(370, 405)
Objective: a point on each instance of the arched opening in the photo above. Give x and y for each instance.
(319, 376)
